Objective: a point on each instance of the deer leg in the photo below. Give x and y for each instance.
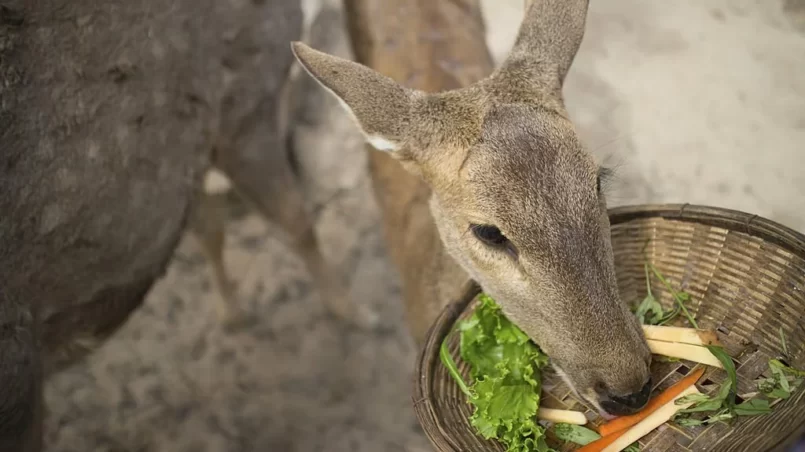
(269, 184)
(252, 151)
(209, 230)
(258, 164)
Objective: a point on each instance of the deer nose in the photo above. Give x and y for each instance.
(625, 405)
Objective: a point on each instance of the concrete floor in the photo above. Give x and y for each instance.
(692, 101)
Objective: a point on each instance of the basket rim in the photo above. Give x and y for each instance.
(753, 225)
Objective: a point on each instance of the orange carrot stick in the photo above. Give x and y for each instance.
(622, 423)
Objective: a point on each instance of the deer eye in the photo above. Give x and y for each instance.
(488, 234)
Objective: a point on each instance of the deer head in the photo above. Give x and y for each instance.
(516, 197)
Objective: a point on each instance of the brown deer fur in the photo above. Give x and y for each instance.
(454, 40)
(494, 149)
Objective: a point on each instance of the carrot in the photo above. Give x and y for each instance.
(649, 418)
(602, 442)
(624, 422)
(665, 413)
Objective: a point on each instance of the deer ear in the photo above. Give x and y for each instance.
(546, 45)
(380, 106)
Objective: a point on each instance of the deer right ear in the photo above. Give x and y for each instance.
(380, 106)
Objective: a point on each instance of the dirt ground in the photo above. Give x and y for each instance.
(691, 108)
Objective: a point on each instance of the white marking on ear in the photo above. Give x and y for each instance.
(378, 142)
(215, 182)
(382, 144)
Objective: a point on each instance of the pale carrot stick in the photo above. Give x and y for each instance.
(689, 352)
(561, 416)
(624, 422)
(681, 335)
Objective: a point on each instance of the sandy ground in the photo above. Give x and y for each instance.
(700, 102)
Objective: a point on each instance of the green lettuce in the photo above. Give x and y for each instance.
(505, 366)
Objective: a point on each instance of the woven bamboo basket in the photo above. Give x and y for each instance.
(746, 279)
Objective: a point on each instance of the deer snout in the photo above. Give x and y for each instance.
(625, 404)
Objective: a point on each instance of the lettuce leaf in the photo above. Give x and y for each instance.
(505, 366)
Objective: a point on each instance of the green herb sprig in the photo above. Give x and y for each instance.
(651, 312)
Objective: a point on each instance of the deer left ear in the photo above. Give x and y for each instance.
(380, 106)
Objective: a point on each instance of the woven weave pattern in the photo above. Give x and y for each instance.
(746, 279)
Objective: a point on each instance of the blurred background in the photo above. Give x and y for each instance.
(691, 101)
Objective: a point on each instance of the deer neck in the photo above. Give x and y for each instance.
(432, 46)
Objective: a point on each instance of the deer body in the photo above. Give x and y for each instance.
(431, 46)
(512, 194)
(110, 115)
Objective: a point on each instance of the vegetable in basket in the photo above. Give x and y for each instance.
(506, 369)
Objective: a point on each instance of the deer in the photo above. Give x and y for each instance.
(481, 176)
(112, 114)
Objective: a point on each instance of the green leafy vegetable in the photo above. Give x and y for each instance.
(722, 405)
(732, 377)
(583, 436)
(753, 407)
(786, 369)
(505, 366)
(712, 404)
(450, 364)
(783, 381)
(651, 312)
(679, 297)
(721, 416)
(687, 421)
(575, 434)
